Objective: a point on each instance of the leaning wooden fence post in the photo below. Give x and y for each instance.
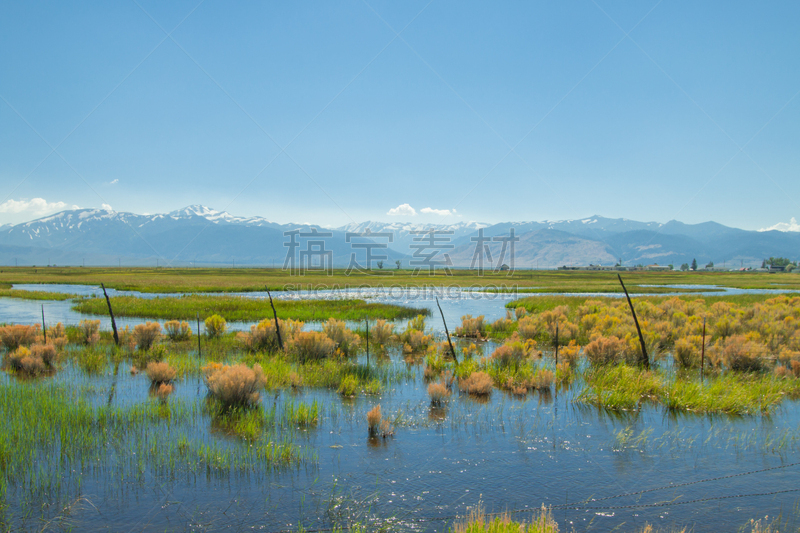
(645, 360)
(44, 327)
(452, 350)
(556, 345)
(111, 312)
(277, 326)
(199, 353)
(703, 352)
(556, 372)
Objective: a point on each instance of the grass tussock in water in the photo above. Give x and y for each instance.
(628, 388)
(160, 373)
(236, 308)
(235, 385)
(477, 521)
(14, 336)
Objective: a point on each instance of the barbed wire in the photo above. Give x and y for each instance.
(582, 505)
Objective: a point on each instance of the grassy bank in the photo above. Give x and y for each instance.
(235, 308)
(255, 279)
(7, 292)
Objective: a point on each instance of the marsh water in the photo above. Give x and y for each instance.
(598, 470)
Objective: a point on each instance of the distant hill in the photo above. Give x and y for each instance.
(203, 236)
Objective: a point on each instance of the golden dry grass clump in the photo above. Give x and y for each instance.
(438, 392)
(235, 385)
(605, 350)
(527, 327)
(22, 360)
(160, 373)
(374, 420)
(515, 350)
(88, 331)
(471, 327)
(415, 341)
(147, 334)
(311, 345)
(502, 325)
(742, 354)
(377, 426)
(57, 335)
(177, 331)
(45, 352)
(686, 351)
(12, 337)
(35, 360)
(478, 383)
(264, 337)
(346, 341)
(381, 332)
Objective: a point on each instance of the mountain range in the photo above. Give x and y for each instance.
(198, 235)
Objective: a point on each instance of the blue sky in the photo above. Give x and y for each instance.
(320, 112)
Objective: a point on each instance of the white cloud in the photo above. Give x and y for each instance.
(15, 211)
(113, 182)
(440, 212)
(792, 225)
(402, 210)
(106, 207)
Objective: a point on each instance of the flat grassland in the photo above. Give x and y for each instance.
(180, 280)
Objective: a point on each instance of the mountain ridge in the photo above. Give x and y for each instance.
(199, 234)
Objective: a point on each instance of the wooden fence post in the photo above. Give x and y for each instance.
(199, 353)
(452, 350)
(111, 312)
(703, 352)
(277, 326)
(644, 360)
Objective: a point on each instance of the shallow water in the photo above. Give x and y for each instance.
(507, 454)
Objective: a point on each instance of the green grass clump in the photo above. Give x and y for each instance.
(627, 388)
(731, 393)
(621, 387)
(236, 308)
(478, 522)
(302, 414)
(36, 295)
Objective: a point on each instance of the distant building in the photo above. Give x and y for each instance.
(657, 267)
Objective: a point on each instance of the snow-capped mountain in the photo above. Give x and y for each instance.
(200, 235)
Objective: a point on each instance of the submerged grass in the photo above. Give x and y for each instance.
(235, 308)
